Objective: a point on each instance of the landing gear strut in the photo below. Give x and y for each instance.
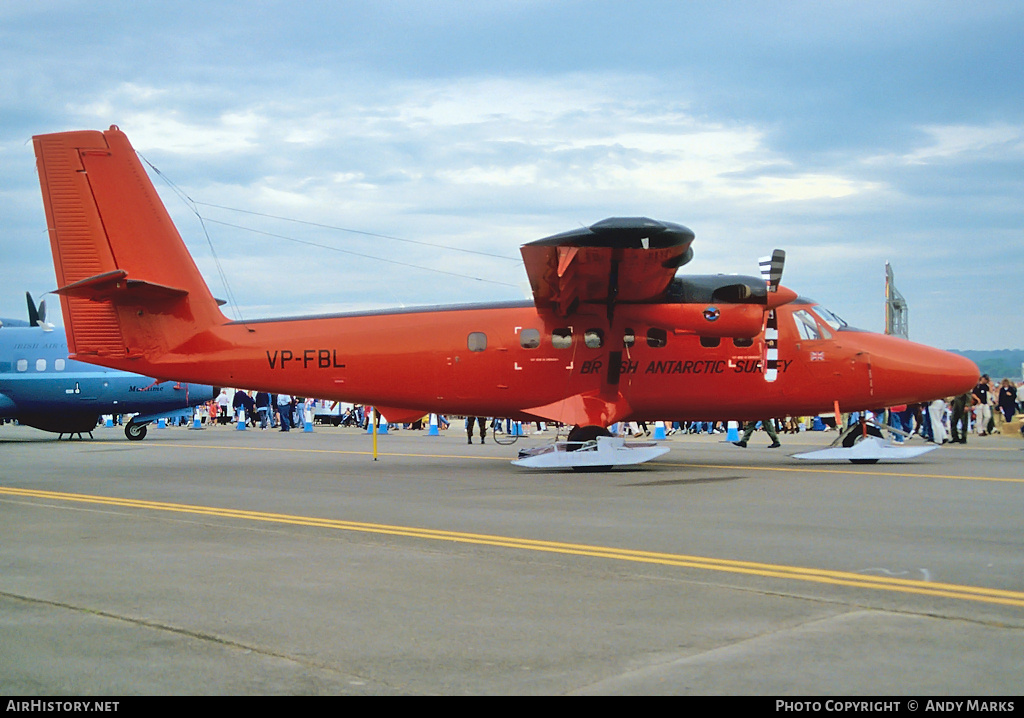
(858, 433)
(863, 444)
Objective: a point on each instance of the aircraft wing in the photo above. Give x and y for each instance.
(621, 259)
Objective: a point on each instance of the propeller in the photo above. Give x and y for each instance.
(37, 317)
(771, 271)
(33, 313)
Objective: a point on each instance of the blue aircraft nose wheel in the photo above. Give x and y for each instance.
(135, 432)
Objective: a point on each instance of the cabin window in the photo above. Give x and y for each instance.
(710, 342)
(657, 338)
(58, 365)
(529, 339)
(40, 365)
(593, 338)
(477, 341)
(628, 337)
(561, 338)
(23, 365)
(742, 342)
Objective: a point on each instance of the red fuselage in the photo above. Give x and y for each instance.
(512, 360)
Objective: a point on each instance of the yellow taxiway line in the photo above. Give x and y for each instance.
(794, 573)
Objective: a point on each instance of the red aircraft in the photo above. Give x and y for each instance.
(612, 334)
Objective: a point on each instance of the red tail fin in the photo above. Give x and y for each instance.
(128, 284)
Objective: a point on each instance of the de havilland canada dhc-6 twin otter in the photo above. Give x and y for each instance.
(612, 334)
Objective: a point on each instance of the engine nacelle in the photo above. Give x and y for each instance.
(710, 320)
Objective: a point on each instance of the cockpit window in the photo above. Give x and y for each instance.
(829, 318)
(807, 327)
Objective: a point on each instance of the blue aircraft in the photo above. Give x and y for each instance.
(42, 388)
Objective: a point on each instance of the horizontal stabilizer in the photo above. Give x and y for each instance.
(116, 287)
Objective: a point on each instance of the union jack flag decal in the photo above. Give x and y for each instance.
(817, 356)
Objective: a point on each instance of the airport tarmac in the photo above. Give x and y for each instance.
(245, 562)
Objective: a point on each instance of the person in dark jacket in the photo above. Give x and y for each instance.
(263, 408)
(959, 406)
(1007, 399)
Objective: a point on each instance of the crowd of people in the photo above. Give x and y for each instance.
(284, 412)
(984, 410)
(257, 408)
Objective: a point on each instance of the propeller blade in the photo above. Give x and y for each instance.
(33, 313)
(771, 347)
(771, 269)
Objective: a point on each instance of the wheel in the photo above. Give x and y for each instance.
(856, 436)
(135, 432)
(504, 439)
(581, 434)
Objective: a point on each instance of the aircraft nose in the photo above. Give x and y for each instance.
(916, 373)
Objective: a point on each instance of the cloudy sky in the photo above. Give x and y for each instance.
(336, 156)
